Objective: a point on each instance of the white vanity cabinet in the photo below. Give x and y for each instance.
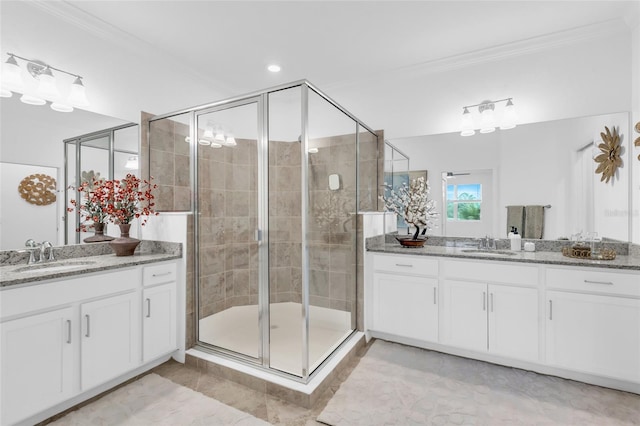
(37, 360)
(66, 340)
(110, 338)
(593, 322)
(489, 307)
(405, 295)
(159, 310)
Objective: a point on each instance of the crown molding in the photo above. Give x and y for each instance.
(501, 52)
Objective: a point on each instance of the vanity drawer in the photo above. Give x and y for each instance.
(159, 274)
(594, 281)
(490, 272)
(407, 264)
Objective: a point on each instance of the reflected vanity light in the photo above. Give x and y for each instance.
(132, 163)
(313, 150)
(487, 120)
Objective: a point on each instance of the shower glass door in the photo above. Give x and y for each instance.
(227, 228)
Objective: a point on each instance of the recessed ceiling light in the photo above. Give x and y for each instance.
(274, 68)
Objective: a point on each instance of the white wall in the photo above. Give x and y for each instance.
(586, 77)
(20, 220)
(533, 165)
(635, 114)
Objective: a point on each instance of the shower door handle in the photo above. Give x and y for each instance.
(258, 235)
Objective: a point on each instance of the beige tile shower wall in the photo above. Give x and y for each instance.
(227, 200)
(332, 237)
(169, 164)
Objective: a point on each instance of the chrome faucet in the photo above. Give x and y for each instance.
(43, 249)
(487, 243)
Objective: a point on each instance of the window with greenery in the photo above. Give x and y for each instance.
(464, 202)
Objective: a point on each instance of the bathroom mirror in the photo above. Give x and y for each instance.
(546, 163)
(31, 138)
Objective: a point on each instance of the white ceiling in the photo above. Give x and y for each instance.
(226, 46)
(231, 43)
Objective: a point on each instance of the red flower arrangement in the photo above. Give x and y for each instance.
(118, 201)
(127, 199)
(92, 209)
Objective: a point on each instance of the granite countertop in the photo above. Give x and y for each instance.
(546, 257)
(85, 260)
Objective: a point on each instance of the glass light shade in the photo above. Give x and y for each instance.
(12, 75)
(487, 121)
(230, 141)
(219, 137)
(509, 116)
(187, 139)
(47, 85)
(216, 145)
(208, 134)
(61, 107)
(78, 94)
(313, 150)
(203, 142)
(132, 163)
(32, 100)
(467, 124)
(4, 93)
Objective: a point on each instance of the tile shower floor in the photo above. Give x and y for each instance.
(236, 329)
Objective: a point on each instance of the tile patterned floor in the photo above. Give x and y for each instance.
(468, 386)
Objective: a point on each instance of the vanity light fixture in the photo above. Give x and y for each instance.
(488, 122)
(47, 85)
(132, 163)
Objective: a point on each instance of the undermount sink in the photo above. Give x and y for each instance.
(56, 266)
(490, 252)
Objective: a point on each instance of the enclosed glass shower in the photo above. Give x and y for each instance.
(277, 178)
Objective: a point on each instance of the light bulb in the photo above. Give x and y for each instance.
(32, 100)
(47, 88)
(78, 94)
(467, 124)
(509, 116)
(56, 106)
(487, 120)
(12, 75)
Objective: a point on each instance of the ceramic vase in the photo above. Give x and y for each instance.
(98, 234)
(124, 245)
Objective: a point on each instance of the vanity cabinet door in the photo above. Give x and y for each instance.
(513, 321)
(110, 338)
(37, 363)
(406, 306)
(465, 314)
(594, 334)
(158, 321)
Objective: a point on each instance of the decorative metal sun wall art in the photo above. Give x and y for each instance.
(637, 141)
(609, 159)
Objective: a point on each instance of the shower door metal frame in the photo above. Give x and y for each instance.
(261, 234)
(263, 171)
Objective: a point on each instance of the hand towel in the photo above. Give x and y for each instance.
(515, 217)
(533, 222)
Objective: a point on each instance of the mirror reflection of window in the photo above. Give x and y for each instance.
(464, 202)
(469, 201)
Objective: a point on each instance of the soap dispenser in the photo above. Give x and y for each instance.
(511, 233)
(516, 241)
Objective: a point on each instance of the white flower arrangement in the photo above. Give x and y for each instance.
(412, 203)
